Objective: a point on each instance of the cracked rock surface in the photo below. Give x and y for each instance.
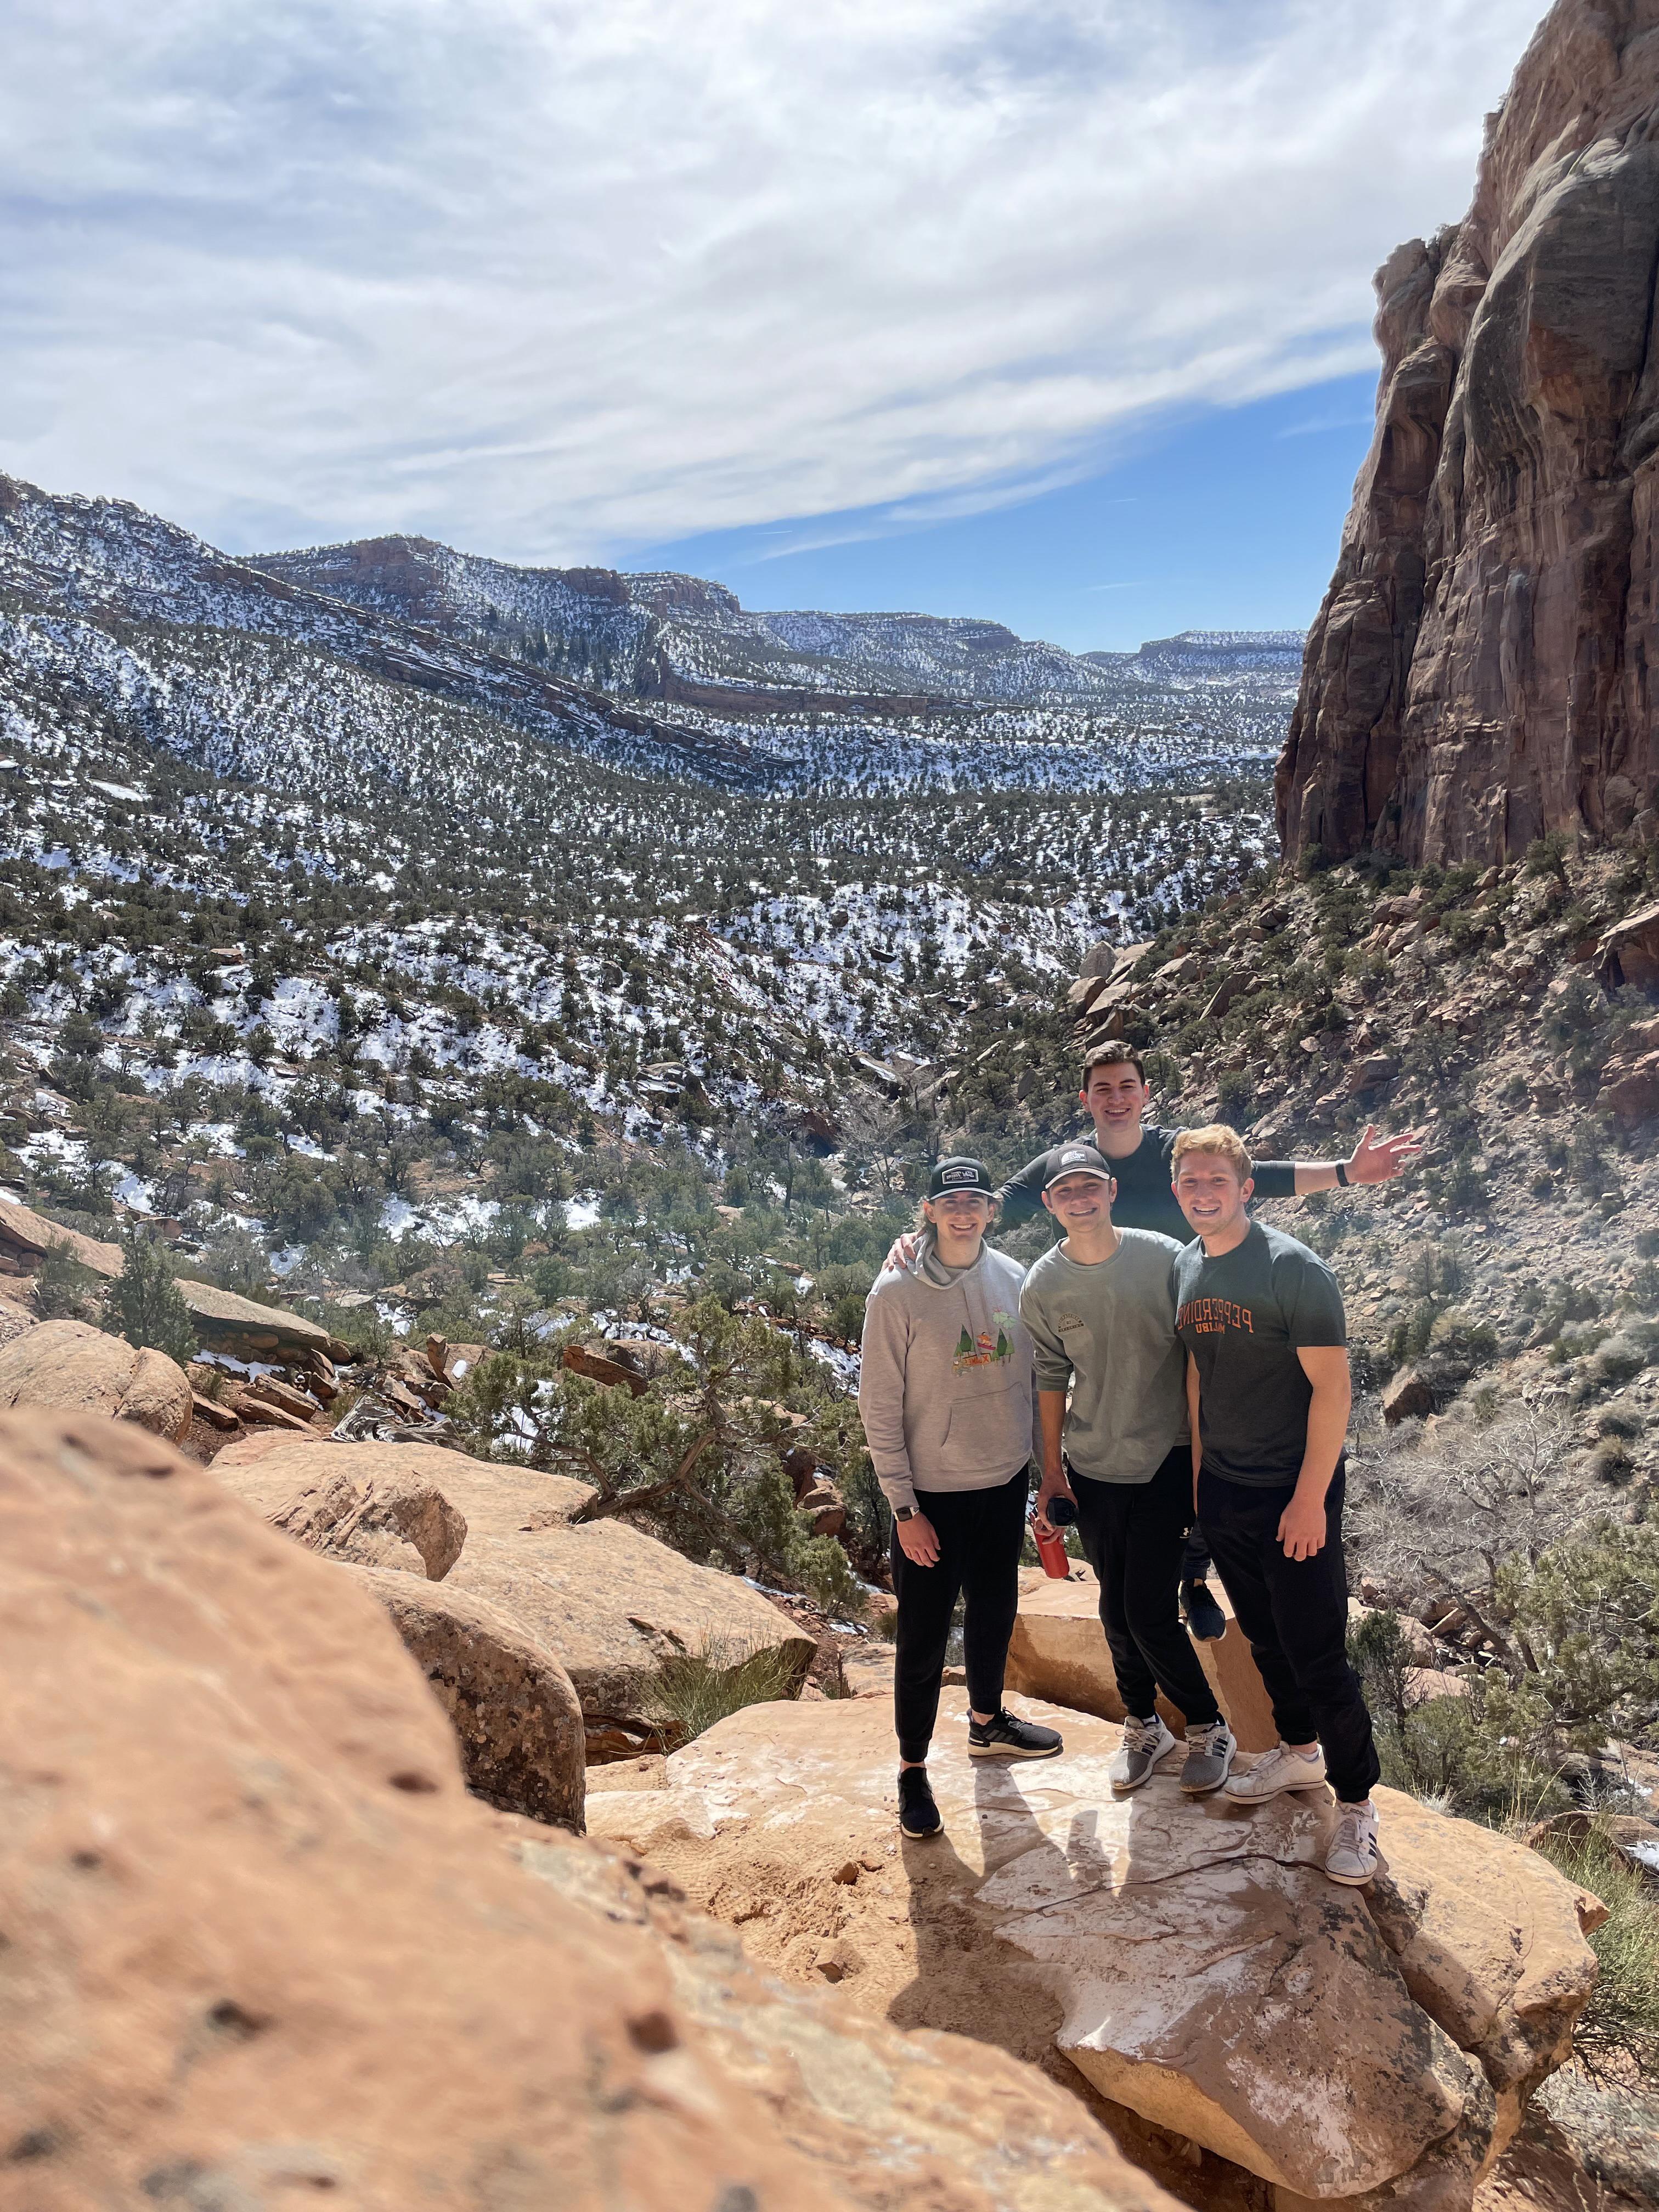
(1189, 1959)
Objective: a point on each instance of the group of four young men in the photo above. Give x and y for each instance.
(1183, 1372)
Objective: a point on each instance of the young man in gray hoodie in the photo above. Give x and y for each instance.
(1101, 1308)
(946, 1394)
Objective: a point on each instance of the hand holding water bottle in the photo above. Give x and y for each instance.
(1048, 1534)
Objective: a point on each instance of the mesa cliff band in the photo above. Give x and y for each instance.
(1179, 1371)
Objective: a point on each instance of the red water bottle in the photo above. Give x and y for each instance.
(1051, 1550)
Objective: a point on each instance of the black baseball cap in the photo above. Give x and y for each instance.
(1075, 1159)
(960, 1173)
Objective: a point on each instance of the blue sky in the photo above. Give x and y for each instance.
(1225, 521)
(995, 307)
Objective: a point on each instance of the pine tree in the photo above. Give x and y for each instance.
(149, 1307)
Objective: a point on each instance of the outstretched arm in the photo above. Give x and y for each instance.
(1373, 1159)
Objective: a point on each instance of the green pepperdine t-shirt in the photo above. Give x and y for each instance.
(1244, 1317)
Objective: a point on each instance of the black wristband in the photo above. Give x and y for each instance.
(1342, 1173)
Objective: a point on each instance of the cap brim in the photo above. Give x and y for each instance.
(1100, 1175)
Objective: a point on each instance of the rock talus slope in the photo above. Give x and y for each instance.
(1190, 1959)
(1480, 671)
(261, 1946)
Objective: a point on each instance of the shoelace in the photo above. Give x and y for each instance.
(1352, 1833)
(1141, 1736)
(1206, 1739)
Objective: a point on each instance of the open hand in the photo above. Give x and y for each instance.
(918, 1540)
(1300, 1527)
(1379, 1159)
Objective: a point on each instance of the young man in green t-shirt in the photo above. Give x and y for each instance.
(1267, 1386)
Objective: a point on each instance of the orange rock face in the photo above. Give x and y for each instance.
(261, 1945)
(1480, 670)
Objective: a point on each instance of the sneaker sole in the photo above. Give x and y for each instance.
(1279, 1789)
(920, 1835)
(1124, 1788)
(1358, 1880)
(1012, 1751)
(1203, 1789)
(1206, 1634)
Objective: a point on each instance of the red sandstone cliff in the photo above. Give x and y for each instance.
(1481, 669)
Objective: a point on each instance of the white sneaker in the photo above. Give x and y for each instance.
(1144, 1742)
(1276, 1770)
(1353, 1855)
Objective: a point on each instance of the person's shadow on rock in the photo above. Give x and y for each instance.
(967, 1979)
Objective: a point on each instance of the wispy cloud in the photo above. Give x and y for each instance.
(551, 280)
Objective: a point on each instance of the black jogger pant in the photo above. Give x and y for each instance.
(1135, 1536)
(1295, 1613)
(979, 1536)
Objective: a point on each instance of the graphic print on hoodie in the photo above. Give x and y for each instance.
(947, 1388)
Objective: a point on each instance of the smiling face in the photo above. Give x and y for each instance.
(1209, 1193)
(960, 1218)
(1116, 1098)
(1081, 1202)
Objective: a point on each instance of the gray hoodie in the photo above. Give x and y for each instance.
(947, 1389)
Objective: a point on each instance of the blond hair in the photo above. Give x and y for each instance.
(1226, 1144)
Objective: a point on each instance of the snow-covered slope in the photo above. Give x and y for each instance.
(186, 643)
(678, 638)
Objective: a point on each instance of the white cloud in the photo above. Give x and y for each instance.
(548, 280)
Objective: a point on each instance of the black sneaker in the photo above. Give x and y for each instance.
(1005, 1735)
(918, 1814)
(1204, 1616)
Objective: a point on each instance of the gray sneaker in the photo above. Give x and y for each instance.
(1144, 1742)
(1209, 1754)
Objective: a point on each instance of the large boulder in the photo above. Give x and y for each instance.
(243, 1328)
(494, 1499)
(1189, 1958)
(261, 1945)
(1059, 1651)
(67, 1365)
(397, 1521)
(26, 1237)
(511, 1704)
(616, 1606)
(1629, 952)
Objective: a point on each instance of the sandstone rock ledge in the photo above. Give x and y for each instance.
(1190, 1960)
(261, 1947)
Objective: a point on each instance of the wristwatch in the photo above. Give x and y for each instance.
(906, 1512)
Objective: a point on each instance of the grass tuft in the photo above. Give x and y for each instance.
(694, 1691)
(1619, 2027)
